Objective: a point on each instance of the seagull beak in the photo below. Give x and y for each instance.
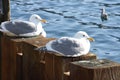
(91, 39)
(43, 20)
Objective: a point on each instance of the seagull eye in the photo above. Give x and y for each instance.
(36, 17)
(83, 35)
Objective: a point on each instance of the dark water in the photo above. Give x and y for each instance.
(66, 17)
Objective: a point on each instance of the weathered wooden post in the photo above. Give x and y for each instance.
(57, 65)
(13, 64)
(4, 16)
(10, 59)
(4, 10)
(45, 65)
(102, 69)
(33, 60)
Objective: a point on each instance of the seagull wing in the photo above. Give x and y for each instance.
(18, 27)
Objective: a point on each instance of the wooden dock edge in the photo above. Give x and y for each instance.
(20, 60)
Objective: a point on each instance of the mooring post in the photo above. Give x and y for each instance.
(10, 46)
(98, 69)
(4, 10)
(57, 65)
(13, 64)
(33, 60)
(4, 16)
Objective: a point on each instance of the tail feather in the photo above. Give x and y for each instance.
(2, 30)
(7, 32)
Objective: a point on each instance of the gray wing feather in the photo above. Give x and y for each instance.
(66, 46)
(20, 27)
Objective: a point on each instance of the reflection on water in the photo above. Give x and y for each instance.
(66, 17)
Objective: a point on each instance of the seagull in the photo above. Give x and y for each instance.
(104, 15)
(21, 28)
(70, 46)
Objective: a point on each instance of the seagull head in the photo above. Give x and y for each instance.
(102, 10)
(82, 34)
(36, 19)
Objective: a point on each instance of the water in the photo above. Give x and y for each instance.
(66, 17)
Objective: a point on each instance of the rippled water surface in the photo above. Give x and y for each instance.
(66, 17)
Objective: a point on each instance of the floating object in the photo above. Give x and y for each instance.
(71, 46)
(30, 28)
(104, 15)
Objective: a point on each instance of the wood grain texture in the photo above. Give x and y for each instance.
(107, 70)
(33, 60)
(20, 60)
(57, 64)
(12, 60)
(8, 55)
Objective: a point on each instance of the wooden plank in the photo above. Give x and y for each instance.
(49, 67)
(33, 61)
(102, 69)
(30, 59)
(18, 55)
(8, 59)
(32, 64)
(57, 64)
(11, 62)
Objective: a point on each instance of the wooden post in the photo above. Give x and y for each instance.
(10, 59)
(4, 16)
(21, 62)
(4, 10)
(12, 56)
(33, 61)
(57, 65)
(95, 70)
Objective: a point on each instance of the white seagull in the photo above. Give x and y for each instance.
(30, 28)
(68, 46)
(104, 15)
